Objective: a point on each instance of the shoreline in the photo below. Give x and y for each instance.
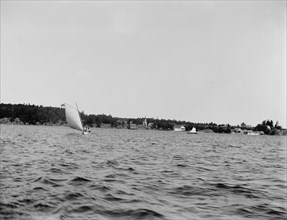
(247, 132)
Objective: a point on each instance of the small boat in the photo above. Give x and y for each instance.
(73, 118)
(253, 133)
(193, 131)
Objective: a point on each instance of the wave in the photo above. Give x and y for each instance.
(119, 174)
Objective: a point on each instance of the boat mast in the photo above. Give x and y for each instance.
(80, 116)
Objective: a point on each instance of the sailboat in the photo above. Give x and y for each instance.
(193, 131)
(73, 117)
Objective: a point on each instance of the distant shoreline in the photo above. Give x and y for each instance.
(283, 132)
(27, 114)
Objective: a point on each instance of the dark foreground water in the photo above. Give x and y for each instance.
(57, 173)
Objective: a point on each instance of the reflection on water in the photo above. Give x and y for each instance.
(57, 173)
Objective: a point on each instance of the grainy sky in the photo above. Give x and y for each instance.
(199, 61)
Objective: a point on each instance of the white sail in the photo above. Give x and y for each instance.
(193, 131)
(73, 117)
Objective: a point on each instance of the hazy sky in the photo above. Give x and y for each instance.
(199, 61)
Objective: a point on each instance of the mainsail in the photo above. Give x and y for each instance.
(193, 131)
(73, 117)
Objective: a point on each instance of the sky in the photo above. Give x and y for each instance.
(198, 61)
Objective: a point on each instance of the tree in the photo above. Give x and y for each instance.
(277, 126)
(243, 125)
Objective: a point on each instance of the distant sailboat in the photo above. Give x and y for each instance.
(73, 117)
(193, 131)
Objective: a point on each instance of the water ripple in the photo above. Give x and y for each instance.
(52, 173)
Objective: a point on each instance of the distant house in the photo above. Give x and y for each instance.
(133, 126)
(141, 127)
(224, 126)
(178, 128)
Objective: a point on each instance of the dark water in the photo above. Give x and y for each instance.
(56, 173)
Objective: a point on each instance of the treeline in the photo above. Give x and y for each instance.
(32, 114)
(40, 115)
(161, 124)
(268, 127)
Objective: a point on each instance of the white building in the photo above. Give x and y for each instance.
(179, 128)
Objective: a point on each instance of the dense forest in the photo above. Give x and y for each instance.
(40, 115)
(32, 114)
